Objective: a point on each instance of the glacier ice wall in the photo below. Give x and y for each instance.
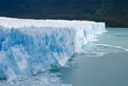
(28, 47)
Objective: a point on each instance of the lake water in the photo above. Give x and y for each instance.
(104, 63)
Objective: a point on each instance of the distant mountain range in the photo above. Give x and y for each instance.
(113, 12)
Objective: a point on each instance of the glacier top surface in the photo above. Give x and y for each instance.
(18, 23)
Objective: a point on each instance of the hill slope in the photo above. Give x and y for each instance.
(113, 12)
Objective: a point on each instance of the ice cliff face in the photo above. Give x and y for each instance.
(28, 47)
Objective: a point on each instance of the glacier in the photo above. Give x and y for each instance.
(29, 47)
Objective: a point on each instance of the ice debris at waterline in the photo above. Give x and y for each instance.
(29, 47)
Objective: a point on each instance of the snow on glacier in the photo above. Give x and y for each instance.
(29, 47)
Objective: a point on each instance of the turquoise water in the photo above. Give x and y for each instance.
(104, 63)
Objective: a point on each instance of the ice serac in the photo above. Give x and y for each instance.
(28, 47)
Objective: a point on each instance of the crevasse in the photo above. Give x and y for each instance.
(28, 47)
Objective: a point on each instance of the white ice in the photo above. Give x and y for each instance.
(28, 46)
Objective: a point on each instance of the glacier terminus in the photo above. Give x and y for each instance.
(29, 47)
